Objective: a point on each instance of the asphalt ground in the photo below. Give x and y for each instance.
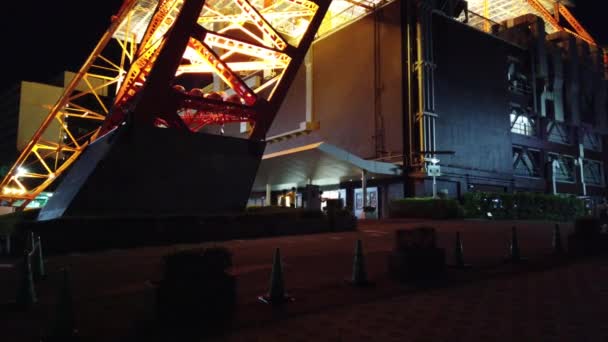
(543, 299)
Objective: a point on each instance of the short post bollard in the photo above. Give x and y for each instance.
(40, 268)
(558, 248)
(8, 244)
(26, 295)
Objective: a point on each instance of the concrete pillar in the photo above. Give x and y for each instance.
(268, 199)
(364, 188)
(309, 86)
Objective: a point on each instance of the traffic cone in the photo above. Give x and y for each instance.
(515, 253)
(26, 295)
(359, 274)
(459, 253)
(558, 248)
(276, 295)
(63, 328)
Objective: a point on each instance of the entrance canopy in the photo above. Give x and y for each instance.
(319, 163)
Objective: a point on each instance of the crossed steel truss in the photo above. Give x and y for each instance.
(487, 12)
(181, 64)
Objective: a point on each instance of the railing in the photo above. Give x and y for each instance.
(478, 21)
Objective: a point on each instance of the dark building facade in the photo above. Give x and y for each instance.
(513, 106)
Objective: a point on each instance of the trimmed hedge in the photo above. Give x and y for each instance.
(70, 234)
(425, 208)
(523, 205)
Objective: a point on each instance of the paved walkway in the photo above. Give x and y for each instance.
(565, 303)
(545, 299)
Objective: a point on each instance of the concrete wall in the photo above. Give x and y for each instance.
(343, 88)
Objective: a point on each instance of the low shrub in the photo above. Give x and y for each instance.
(522, 205)
(425, 208)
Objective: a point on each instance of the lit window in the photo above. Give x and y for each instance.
(522, 124)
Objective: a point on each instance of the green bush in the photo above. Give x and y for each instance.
(425, 208)
(523, 205)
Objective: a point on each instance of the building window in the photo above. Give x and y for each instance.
(565, 168)
(557, 132)
(592, 141)
(594, 172)
(522, 123)
(526, 162)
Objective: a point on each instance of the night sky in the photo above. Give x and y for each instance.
(66, 34)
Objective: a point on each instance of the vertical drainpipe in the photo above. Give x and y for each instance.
(309, 84)
(558, 85)
(425, 108)
(574, 82)
(581, 164)
(379, 138)
(406, 91)
(425, 71)
(364, 189)
(268, 199)
(540, 68)
(418, 85)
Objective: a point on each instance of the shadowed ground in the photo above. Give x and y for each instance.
(544, 299)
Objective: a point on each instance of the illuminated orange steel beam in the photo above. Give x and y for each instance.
(223, 71)
(150, 46)
(565, 12)
(243, 17)
(12, 178)
(305, 3)
(546, 15)
(272, 52)
(486, 13)
(137, 73)
(262, 24)
(160, 23)
(235, 67)
(592, 42)
(216, 40)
